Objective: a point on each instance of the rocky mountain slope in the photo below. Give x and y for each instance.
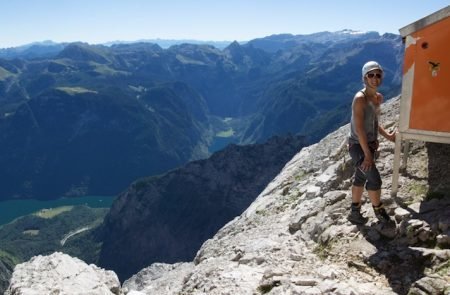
(294, 239)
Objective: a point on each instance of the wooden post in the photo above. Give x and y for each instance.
(395, 172)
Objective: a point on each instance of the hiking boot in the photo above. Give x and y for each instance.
(356, 217)
(381, 214)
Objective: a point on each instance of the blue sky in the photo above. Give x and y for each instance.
(99, 21)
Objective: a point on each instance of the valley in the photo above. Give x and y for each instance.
(69, 229)
(90, 119)
(12, 209)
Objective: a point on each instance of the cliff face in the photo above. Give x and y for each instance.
(170, 216)
(295, 239)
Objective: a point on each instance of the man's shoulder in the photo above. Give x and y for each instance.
(359, 98)
(360, 94)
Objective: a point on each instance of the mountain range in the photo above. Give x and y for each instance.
(90, 119)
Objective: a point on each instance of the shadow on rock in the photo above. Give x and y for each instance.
(419, 241)
(438, 169)
(401, 265)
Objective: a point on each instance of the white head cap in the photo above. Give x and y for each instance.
(370, 66)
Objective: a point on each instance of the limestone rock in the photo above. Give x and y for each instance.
(430, 285)
(59, 273)
(168, 278)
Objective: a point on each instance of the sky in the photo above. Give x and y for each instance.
(100, 21)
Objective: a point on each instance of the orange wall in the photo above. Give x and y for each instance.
(430, 103)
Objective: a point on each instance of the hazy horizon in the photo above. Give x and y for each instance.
(102, 21)
(43, 42)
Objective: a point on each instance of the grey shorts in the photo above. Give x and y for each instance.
(370, 178)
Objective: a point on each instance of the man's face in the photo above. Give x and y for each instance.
(374, 78)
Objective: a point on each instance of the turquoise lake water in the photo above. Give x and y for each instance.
(11, 209)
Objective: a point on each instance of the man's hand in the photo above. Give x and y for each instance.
(391, 136)
(388, 135)
(367, 163)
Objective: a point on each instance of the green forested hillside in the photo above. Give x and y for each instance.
(90, 119)
(66, 229)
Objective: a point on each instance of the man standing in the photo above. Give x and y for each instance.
(363, 143)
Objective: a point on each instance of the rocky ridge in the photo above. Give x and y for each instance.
(295, 239)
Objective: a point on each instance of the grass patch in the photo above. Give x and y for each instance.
(7, 256)
(226, 133)
(5, 74)
(107, 71)
(292, 199)
(322, 250)
(301, 175)
(187, 60)
(418, 189)
(444, 268)
(31, 232)
(261, 212)
(52, 212)
(75, 90)
(137, 88)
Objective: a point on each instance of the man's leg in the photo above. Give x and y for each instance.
(375, 197)
(355, 215)
(357, 192)
(359, 180)
(378, 208)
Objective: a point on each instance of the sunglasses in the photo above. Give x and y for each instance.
(371, 75)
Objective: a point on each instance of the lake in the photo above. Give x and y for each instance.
(220, 143)
(11, 209)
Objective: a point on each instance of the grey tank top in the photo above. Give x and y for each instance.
(371, 115)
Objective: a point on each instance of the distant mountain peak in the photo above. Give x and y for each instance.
(350, 32)
(84, 52)
(233, 46)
